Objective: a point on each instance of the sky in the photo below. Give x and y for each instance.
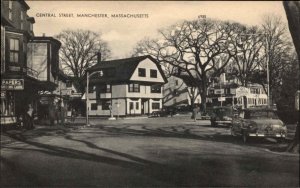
(122, 34)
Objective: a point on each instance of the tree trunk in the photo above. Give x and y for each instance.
(292, 9)
(203, 101)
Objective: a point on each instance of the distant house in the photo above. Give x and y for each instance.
(178, 92)
(231, 92)
(124, 87)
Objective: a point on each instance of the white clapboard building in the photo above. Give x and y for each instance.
(125, 87)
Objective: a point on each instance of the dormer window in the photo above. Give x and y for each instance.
(153, 73)
(142, 72)
(10, 11)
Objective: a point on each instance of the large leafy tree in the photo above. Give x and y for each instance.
(249, 58)
(79, 51)
(279, 49)
(199, 49)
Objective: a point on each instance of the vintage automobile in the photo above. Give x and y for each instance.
(258, 122)
(164, 112)
(221, 115)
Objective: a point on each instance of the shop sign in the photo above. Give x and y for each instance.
(233, 91)
(14, 68)
(12, 84)
(242, 91)
(3, 94)
(45, 100)
(221, 98)
(219, 91)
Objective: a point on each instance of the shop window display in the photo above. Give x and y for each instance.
(8, 105)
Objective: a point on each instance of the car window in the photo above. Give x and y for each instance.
(260, 115)
(223, 112)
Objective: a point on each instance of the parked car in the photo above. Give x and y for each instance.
(258, 122)
(221, 115)
(164, 112)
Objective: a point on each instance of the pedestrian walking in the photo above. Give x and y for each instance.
(29, 117)
(52, 113)
(73, 115)
(195, 111)
(57, 112)
(61, 113)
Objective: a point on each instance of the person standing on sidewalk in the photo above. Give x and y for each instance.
(29, 117)
(195, 111)
(73, 115)
(51, 113)
(62, 112)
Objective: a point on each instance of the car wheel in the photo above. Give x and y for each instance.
(213, 124)
(245, 137)
(280, 140)
(232, 132)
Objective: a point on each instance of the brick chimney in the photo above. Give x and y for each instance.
(98, 57)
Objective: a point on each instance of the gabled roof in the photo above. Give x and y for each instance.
(122, 68)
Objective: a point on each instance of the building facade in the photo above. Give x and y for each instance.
(177, 93)
(231, 93)
(125, 87)
(18, 87)
(29, 64)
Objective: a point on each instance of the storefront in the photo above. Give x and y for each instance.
(9, 88)
(16, 95)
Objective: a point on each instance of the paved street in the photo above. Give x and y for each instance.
(152, 152)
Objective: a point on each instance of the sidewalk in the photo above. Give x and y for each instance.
(39, 130)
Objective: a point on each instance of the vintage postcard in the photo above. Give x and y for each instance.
(149, 93)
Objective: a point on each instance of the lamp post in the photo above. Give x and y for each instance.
(88, 75)
(267, 63)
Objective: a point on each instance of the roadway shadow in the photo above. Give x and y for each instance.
(161, 172)
(174, 174)
(191, 131)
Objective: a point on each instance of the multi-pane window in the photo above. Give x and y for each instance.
(108, 88)
(14, 48)
(105, 88)
(227, 90)
(91, 89)
(94, 106)
(10, 11)
(105, 104)
(134, 87)
(153, 73)
(8, 104)
(142, 72)
(131, 105)
(155, 89)
(254, 90)
(69, 84)
(175, 92)
(155, 106)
